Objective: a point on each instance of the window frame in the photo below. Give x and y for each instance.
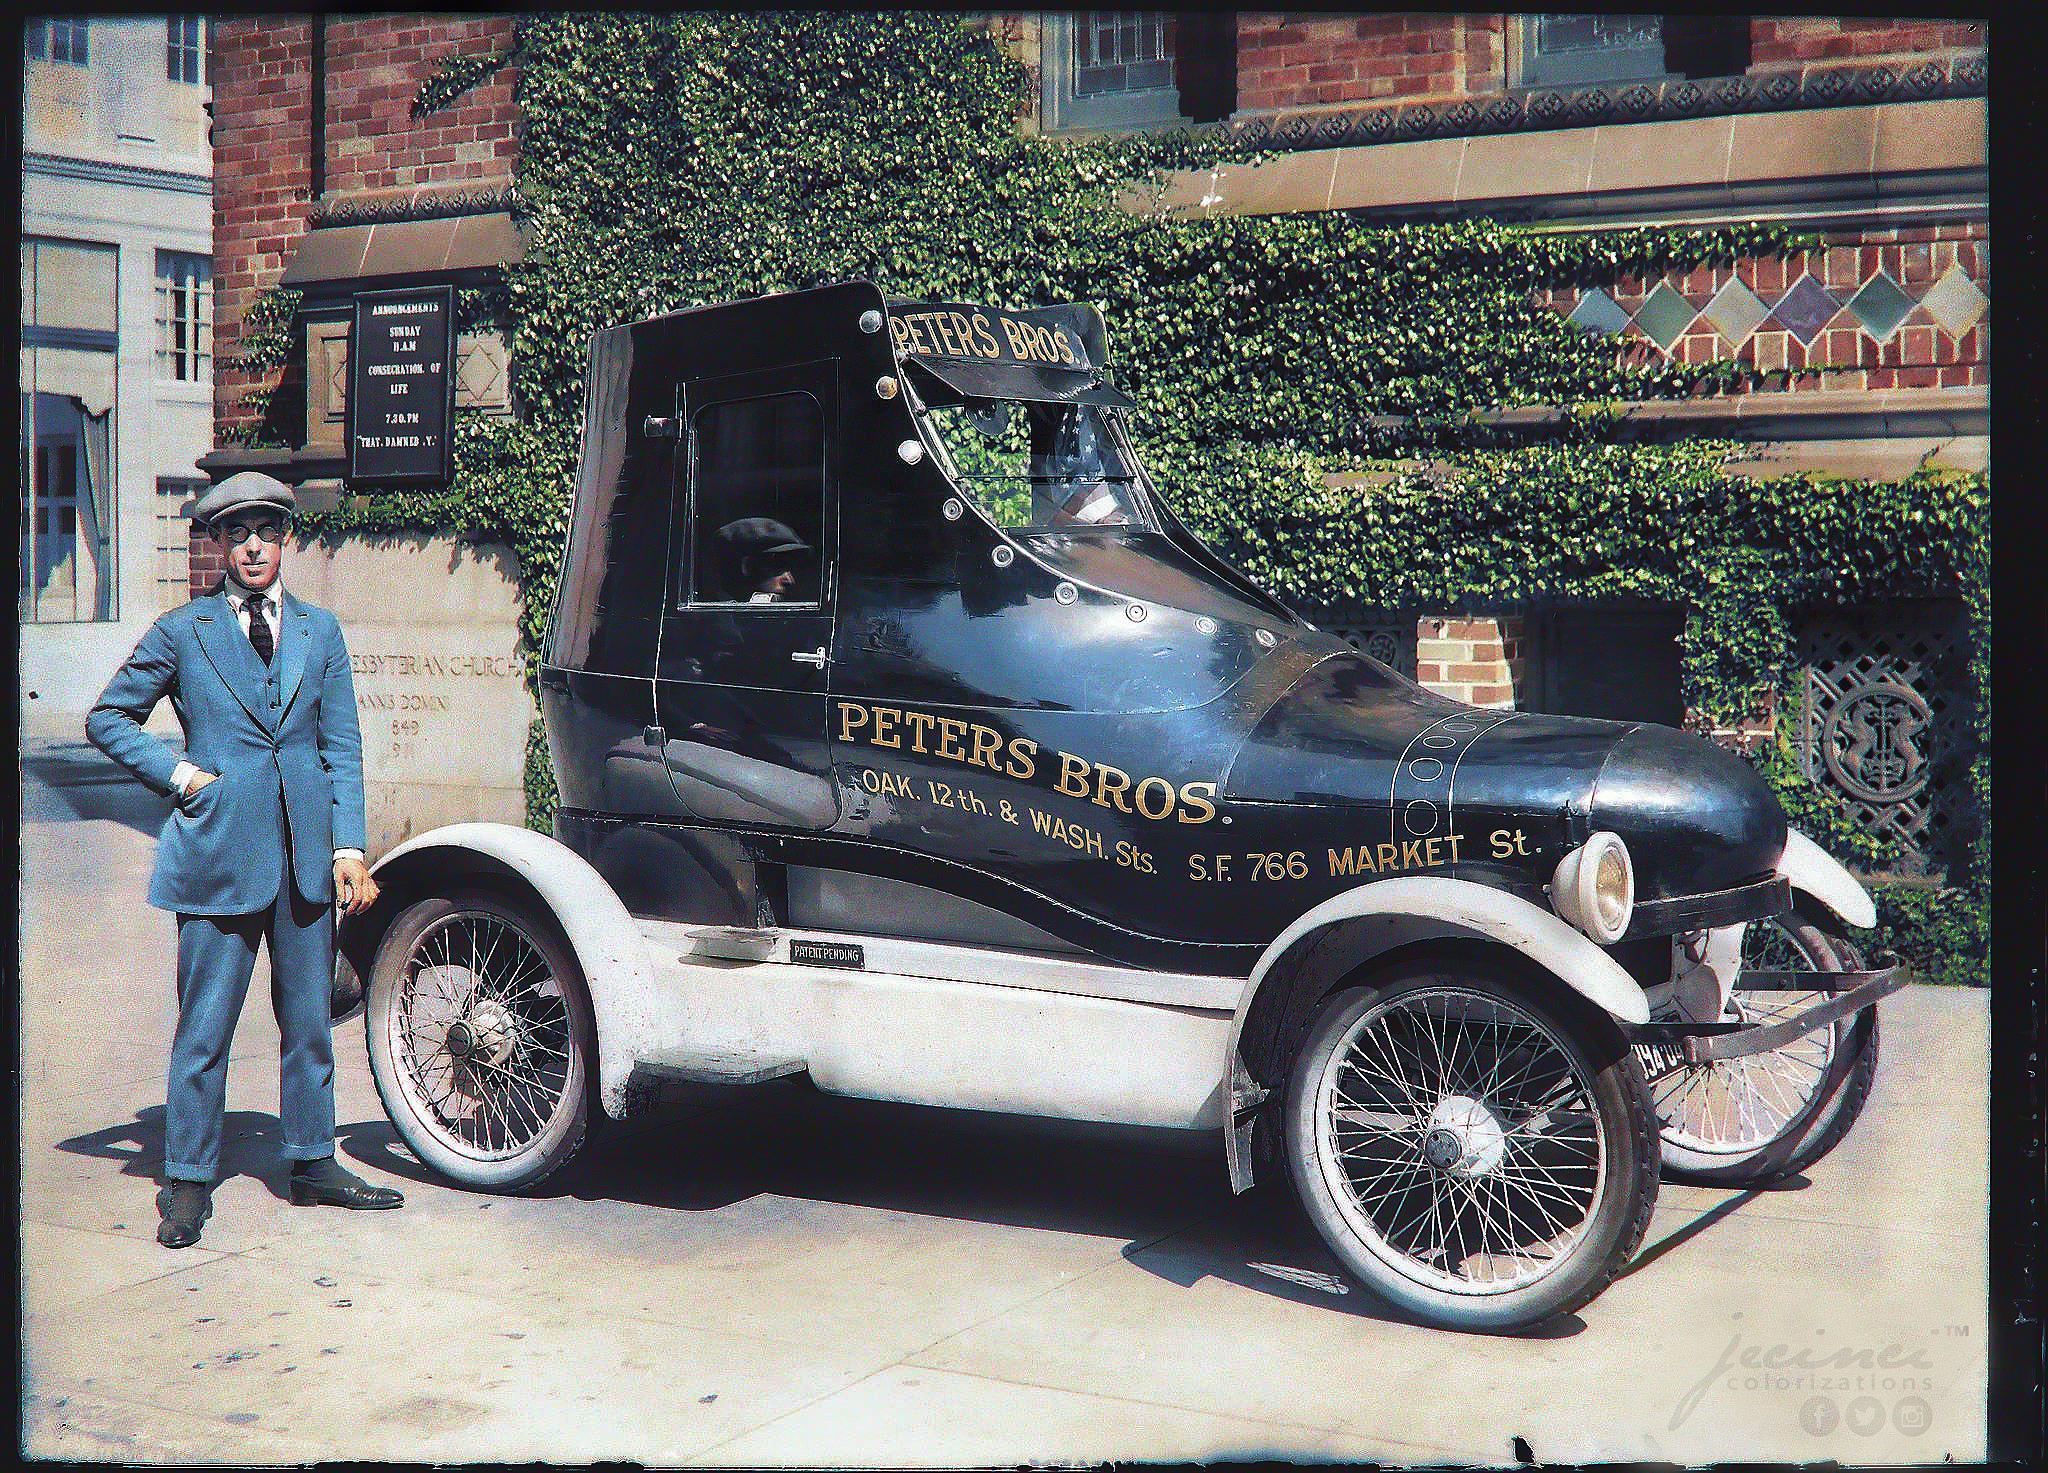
(40, 40)
(178, 50)
(1534, 72)
(200, 349)
(817, 381)
(1061, 111)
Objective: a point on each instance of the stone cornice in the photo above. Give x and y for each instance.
(1520, 110)
(103, 171)
(391, 207)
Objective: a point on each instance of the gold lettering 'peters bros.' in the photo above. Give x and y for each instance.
(972, 335)
(971, 744)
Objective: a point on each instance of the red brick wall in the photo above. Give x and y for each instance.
(1778, 42)
(1305, 60)
(1292, 60)
(262, 136)
(375, 64)
(205, 564)
(262, 177)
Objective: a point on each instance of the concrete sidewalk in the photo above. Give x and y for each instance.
(794, 1279)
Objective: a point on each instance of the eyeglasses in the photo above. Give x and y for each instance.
(235, 533)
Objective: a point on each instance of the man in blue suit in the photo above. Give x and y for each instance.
(267, 838)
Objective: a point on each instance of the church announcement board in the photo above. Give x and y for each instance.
(401, 388)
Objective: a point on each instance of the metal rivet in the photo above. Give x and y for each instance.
(1265, 637)
(910, 451)
(1066, 593)
(871, 321)
(1205, 625)
(1135, 613)
(952, 509)
(1002, 557)
(885, 387)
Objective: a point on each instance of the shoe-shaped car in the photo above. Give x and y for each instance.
(906, 740)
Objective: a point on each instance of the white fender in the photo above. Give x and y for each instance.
(1423, 907)
(1567, 954)
(1813, 871)
(607, 941)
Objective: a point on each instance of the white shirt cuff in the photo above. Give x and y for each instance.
(183, 773)
(348, 854)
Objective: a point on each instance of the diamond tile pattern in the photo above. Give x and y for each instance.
(1735, 311)
(1664, 316)
(1955, 302)
(1806, 309)
(1881, 306)
(1598, 312)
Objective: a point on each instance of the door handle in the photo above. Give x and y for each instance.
(810, 657)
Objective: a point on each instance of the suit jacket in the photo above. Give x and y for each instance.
(283, 740)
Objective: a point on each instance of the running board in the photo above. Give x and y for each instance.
(688, 1067)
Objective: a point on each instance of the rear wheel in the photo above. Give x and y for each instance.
(481, 1039)
(1477, 1154)
(1750, 1121)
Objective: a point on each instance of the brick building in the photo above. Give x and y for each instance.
(1871, 131)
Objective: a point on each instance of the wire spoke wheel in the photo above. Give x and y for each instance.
(1758, 1118)
(1730, 1107)
(477, 1029)
(1460, 1140)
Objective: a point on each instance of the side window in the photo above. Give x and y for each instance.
(757, 501)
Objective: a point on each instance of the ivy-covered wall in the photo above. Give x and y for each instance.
(673, 161)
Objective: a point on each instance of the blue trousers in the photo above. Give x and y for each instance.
(216, 958)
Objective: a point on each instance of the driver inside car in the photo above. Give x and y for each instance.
(769, 563)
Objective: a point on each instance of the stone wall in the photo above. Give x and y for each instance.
(432, 629)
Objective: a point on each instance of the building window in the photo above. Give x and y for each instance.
(185, 56)
(69, 349)
(1109, 69)
(174, 539)
(57, 40)
(184, 316)
(1586, 50)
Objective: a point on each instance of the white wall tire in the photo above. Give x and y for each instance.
(1475, 1153)
(481, 1039)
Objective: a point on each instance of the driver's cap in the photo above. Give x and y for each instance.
(760, 537)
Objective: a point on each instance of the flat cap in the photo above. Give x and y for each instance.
(759, 537)
(243, 491)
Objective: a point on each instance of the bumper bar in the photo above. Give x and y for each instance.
(1849, 992)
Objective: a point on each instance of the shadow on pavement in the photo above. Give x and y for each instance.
(1162, 1191)
(89, 785)
(248, 1147)
(1680, 1236)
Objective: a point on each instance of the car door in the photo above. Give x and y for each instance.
(744, 662)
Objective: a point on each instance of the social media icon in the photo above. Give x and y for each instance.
(1865, 1415)
(1820, 1415)
(1912, 1415)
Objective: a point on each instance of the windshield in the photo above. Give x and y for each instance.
(1035, 467)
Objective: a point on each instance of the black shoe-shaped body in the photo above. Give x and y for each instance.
(1038, 705)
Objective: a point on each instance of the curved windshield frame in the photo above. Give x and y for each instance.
(1032, 466)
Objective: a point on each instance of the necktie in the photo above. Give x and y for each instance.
(259, 628)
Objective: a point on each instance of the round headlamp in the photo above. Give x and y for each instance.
(1594, 887)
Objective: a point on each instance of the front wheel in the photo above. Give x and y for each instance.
(1750, 1121)
(481, 1039)
(1482, 1156)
